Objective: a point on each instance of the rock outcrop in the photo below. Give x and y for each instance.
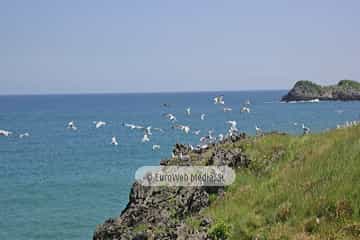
(345, 90)
(161, 212)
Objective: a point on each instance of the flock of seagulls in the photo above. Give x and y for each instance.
(175, 124)
(205, 140)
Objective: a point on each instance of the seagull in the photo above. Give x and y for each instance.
(171, 117)
(227, 109)
(305, 129)
(114, 141)
(207, 138)
(185, 129)
(232, 124)
(258, 130)
(245, 109)
(145, 138)
(232, 128)
(197, 132)
(204, 139)
(72, 126)
(24, 135)
(202, 117)
(133, 126)
(221, 137)
(5, 133)
(166, 105)
(99, 124)
(155, 147)
(188, 111)
(148, 130)
(210, 132)
(219, 100)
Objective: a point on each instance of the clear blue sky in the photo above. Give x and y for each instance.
(70, 46)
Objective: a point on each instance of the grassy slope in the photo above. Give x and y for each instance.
(294, 181)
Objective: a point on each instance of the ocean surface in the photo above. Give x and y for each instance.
(59, 184)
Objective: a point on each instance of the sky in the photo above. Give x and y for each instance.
(91, 46)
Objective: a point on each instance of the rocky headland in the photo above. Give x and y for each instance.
(345, 90)
(286, 187)
(162, 212)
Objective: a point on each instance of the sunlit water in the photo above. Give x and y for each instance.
(59, 184)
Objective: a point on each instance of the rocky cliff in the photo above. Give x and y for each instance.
(345, 90)
(162, 212)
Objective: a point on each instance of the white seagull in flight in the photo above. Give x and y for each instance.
(227, 109)
(145, 138)
(202, 117)
(219, 100)
(185, 129)
(99, 124)
(171, 117)
(197, 132)
(22, 135)
(133, 126)
(5, 133)
(114, 141)
(71, 125)
(155, 147)
(245, 109)
(232, 125)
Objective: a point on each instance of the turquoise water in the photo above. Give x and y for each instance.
(59, 184)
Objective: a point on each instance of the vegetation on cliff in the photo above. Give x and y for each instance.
(303, 187)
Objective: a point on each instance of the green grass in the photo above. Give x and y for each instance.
(309, 86)
(293, 182)
(349, 84)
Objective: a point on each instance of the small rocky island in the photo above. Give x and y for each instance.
(345, 90)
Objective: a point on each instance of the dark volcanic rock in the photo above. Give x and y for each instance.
(345, 90)
(234, 158)
(155, 213)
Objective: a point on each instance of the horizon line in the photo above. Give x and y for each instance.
(135, 92)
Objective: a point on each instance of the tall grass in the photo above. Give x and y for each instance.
(298, 187)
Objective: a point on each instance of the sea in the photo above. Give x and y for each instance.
(59, 183)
